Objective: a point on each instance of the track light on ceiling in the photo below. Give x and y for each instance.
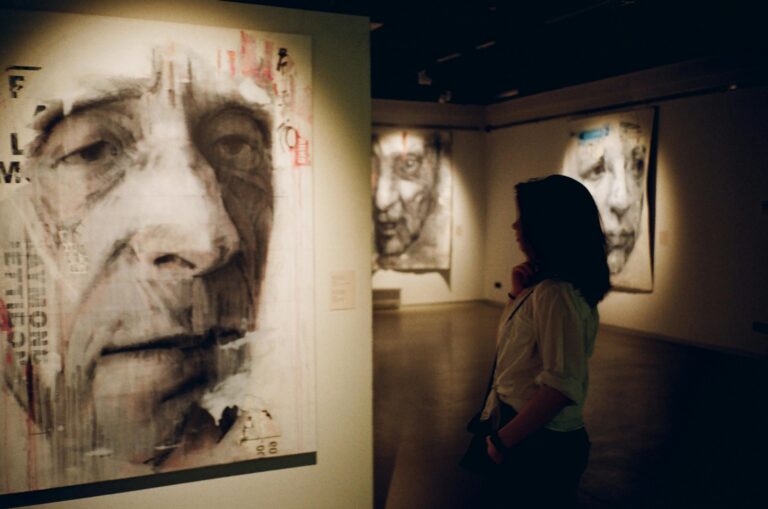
(485, 45)
(448, 57)
(509, 93)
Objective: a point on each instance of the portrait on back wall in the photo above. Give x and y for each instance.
(155, 218)
(411, 187)
(611, 155)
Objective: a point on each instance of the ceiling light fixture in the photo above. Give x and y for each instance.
(508, 93)
(448, 57)
(423, 79)
(485, 45)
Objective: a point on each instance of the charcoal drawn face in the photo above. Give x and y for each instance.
(405, 178)
(151, 206)
(611, 162)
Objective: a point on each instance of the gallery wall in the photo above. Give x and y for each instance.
(709, 238)
(711, 185)
(462, 281)
(342, 476)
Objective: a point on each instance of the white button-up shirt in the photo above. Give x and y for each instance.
(547, 341)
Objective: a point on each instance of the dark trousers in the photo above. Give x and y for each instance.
(542, 471)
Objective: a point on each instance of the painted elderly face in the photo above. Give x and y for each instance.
(149, 213)
(610, 162)
(404, 182)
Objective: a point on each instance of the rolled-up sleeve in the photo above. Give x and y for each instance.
(561, 342)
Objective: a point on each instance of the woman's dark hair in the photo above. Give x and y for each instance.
(560, 222)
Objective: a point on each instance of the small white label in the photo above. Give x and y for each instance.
(342, 289)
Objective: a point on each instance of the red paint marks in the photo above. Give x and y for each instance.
(301, 152)
(246, 65)
(266, 69)
(248, 60)
(5, 326)
(232, 56)
(5, 319)
(256, 60)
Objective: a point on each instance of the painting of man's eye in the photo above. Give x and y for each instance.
(100, 152)
(637, 162)
(595, 171)
(238, 151)
(409, 165)
(232, 140)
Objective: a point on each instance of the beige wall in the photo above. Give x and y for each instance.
(710, 278)
(463, 282)
(343, 476)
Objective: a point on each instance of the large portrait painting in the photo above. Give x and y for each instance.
(611, 156)
(411, 186)
(156, 300)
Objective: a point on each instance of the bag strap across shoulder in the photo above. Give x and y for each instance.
(496, 355)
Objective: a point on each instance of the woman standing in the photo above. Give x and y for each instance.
(546, 336)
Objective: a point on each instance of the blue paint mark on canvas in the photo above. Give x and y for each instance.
(593, 134)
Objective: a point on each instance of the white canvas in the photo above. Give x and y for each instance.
(156, 285)
(610, 155)
(412, 206)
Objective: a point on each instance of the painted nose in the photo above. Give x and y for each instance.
(186, 229)
(386, 191)
(618, 200)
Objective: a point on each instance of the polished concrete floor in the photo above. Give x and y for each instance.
(671, 425)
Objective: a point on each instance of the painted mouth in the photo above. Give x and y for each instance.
(623, 240)
(387, 228)
(171, 366)
(213, 337)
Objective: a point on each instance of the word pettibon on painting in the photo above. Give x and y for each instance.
(155, 215)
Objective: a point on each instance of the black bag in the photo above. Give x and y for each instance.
(476, 457)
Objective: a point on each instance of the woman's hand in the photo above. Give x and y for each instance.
(522, 277)
(495, 455)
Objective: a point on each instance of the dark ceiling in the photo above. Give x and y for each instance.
(483, 51)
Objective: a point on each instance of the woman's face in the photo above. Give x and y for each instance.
(524, 247)
(518, 232)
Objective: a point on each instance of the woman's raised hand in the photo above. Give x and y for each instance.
(522, 277)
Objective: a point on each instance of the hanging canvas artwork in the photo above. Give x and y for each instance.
(610, 155)
(411, 199)
(156, 301)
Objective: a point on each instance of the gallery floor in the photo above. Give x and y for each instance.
(671, 425)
